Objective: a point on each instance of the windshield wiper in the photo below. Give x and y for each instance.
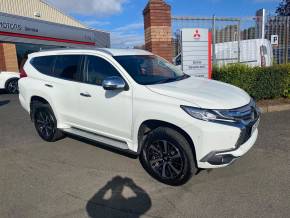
(184, 76)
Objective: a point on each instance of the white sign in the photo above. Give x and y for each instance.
(274, 39)
(27, 30)
(196, 52)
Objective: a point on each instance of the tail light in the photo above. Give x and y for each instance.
(23, 73)
(263, 61)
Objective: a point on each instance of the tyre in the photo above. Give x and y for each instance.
(46, 123)
(168, 157)
(12, 86)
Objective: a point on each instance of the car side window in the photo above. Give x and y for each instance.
(99, 69)
(43, 64)
(67, 67)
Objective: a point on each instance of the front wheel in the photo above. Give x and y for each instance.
(46, 124)
(168, 157)
(12, 86)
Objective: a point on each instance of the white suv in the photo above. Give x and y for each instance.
(140, 103)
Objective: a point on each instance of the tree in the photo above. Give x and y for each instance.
(284, 8)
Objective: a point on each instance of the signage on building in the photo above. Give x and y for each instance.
(22, 29)
(196, 55)
(275, 40)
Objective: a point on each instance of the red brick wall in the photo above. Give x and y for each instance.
(158, 32)
(8, 57)
(2, 59)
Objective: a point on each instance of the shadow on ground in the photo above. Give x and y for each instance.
(114, 197)
(2, 103)
(103, 146)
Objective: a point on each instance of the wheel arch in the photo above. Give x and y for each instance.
(149, 125)
(36, 100)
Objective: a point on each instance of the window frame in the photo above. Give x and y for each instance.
(86, 73)
(51, 67)
(80, 70)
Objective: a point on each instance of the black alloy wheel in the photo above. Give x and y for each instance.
(12, 86)
(165, 159)
(46, 124)
(168, 157)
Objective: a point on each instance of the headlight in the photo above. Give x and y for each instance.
(207, 114)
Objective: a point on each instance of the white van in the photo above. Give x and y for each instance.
(253, 52)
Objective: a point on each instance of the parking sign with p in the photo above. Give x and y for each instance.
(275, 40)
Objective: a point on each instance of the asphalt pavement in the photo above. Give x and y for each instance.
(75, 178)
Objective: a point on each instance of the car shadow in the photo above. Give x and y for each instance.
(110, 200)
(104, 146)
(2, 103)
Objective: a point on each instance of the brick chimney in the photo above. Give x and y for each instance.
(158, 32)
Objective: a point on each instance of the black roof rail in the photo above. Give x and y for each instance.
(68, 49)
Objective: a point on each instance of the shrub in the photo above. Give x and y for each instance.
(260, 83)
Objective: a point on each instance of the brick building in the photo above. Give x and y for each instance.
(31, 25)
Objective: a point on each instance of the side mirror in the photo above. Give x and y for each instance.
(114, 83)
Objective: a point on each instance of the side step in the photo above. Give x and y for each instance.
(97, 138)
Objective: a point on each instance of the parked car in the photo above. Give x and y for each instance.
(140, 103)
(9, 81)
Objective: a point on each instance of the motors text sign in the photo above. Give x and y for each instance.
(25, 27)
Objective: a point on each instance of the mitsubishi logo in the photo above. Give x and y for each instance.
(196, 35)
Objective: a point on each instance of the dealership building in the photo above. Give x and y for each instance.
(28, 26)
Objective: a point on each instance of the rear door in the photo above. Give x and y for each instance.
(60, 81)
(68, 75)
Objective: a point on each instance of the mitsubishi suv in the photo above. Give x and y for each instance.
(138, 102)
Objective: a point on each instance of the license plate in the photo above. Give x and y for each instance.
(255, 126)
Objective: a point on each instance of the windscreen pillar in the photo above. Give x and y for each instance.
(158, 31)
(8, 57)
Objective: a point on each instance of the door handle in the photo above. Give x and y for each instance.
(87, 95)
(48, 85)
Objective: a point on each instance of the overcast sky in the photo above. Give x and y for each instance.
(124, 19)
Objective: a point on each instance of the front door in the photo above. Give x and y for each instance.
(103, 111)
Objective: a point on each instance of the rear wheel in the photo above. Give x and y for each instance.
(12, 86)
(46, 124)
(167, 156)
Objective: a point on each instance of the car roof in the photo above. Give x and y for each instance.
(108, 51)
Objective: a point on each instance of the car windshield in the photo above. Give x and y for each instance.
(150, 69)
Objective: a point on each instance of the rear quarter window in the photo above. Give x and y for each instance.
(43, 64)
(59, 66)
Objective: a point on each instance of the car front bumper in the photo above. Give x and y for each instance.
(227, 157)
(219, 143)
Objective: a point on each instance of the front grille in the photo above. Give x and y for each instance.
(246, 114)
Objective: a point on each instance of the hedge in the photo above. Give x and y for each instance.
(260, 83)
